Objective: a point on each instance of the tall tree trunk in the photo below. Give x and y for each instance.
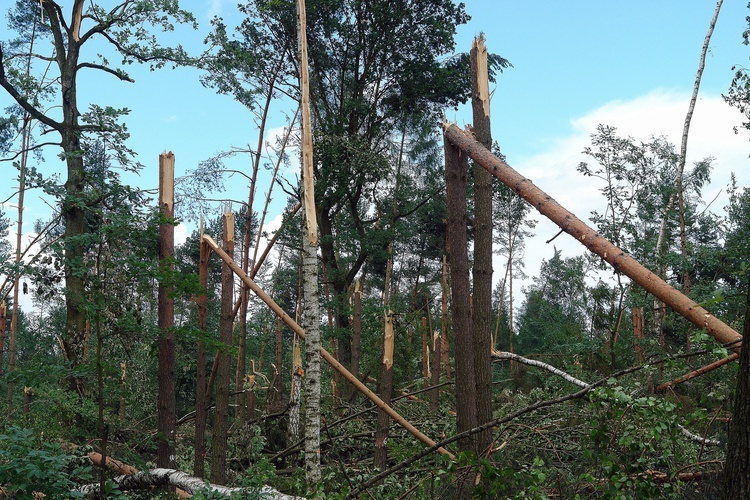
(201, 397)
(311, 325)
(73, 209)
(3, 319)
(482, 271)
(167, 401)
(223, 372)
(456, 173)
(311, 310)
(737, 463)
(683, 156)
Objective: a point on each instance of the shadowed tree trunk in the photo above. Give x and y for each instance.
(482, 271)
(737, 465)
(201, 397)
(167, 401)
(456, 172)
(223, 372)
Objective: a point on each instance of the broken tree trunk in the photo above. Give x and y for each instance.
(311, 309)
(167, 402)
(325, 354)
(482, 270)
(201, 395)
(456, 247)
(190, 484)
(223, 371)
(569, 223)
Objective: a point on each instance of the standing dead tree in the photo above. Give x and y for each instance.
(572, 225)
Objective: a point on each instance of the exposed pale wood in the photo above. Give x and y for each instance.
(388, 339)
(569, 223)
(308, 176)
(325, 354)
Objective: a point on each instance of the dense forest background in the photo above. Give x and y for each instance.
(136, 361)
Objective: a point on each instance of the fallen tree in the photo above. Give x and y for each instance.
(183, 481)
(592, 240)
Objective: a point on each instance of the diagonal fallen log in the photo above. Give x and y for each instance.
(696, 373)
(325, 354)
(572, 225)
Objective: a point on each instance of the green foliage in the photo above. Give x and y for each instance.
(29, 464)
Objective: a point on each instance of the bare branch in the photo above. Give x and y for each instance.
(118, 73)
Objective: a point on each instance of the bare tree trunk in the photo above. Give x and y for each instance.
(683, 155)
(445, 323)
(167, 401)
(223, 372)
(293, 431)
(3, 316)
(640, 355)
(425, 353)
(201, 396)
(482, 270)
(386, 373)
(591, 239)
(456, 173)
(311, 311)
(737, 463)
(356, 329)
(311, 325)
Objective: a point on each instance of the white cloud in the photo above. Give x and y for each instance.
(658, 113)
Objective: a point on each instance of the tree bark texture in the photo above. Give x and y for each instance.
(167, 400)
(456, 173)
(201, 397)
(3, 320)
(385, 389)
(311, 325)
(569, 223)
(737, 464)
(223, 373)
(482, 270)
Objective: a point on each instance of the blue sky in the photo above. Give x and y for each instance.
(575, 65)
